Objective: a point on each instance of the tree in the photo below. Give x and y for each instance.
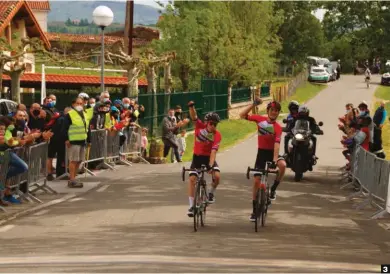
(69, 22)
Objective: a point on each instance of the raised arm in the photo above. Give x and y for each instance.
(245, 112)
(192, 110)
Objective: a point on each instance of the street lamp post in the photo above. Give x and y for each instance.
(102, 17)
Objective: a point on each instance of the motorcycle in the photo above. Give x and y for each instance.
(300, 157)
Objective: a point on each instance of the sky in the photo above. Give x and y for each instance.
(319, 13)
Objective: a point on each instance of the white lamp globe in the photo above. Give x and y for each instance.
(103, 16)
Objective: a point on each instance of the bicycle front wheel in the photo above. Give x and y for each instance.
(263, 206)
(204, 206)
(257, 210)
(197, 206)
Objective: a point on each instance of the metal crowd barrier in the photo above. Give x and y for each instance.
(4, 161)
(133, 144)
(372, 176)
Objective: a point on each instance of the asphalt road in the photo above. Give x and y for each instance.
(137, 221)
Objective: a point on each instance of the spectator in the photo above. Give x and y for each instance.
(182, 143)
(118, 104)
(52, 115)
(37, 118)
(85, 98)
(58, 140)
(91, 103)
(365, 112)
(144, 143)
(379, 119)
(77, 127)
(169, 128)
(18, 107)
(178, 117)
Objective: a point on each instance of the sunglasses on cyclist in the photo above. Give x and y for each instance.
(212, 124)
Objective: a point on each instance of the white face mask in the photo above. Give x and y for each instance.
(78, 108)
(92, 105)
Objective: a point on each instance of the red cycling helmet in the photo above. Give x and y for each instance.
(274, 104)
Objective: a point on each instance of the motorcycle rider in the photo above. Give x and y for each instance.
(304, 114)
(293, 107)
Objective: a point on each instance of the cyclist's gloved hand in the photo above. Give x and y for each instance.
(209, 167)
(257, 101)
(272, 165)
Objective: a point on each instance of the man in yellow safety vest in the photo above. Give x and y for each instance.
(77, 125)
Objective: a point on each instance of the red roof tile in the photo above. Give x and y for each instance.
(91, 39)
(76, 79)
(39, 5)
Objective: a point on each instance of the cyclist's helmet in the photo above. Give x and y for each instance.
(303, 110)
(274, 104)
(213, 117)
(207, 116)
(84, 95)
(293, 105)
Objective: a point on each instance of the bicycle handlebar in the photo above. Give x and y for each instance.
(264, 171)
(202, 170)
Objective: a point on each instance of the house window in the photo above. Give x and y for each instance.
(28, 67)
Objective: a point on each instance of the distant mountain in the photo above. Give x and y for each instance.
(62, 10)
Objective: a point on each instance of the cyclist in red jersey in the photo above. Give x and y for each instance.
(269, 136)
(207, 140)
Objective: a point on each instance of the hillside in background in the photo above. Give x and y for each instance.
(77, 10)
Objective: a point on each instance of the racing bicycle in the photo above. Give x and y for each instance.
(201, 199)
(263, 193)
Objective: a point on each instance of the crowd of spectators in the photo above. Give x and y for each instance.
(359, 128)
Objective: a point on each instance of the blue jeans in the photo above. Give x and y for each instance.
(16, 165)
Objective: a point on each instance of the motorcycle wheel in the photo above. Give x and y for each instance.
(298, 177)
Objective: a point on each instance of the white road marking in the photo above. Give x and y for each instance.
(6, 228)
(76, 199)
(112, 259)
(39, 213)
(103, 188)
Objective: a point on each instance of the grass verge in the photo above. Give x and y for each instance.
(233, 131)
(383, 93)
(303, 94)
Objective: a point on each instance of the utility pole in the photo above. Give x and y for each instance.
(129, 25)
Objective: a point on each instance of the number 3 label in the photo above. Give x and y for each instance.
(385, 268)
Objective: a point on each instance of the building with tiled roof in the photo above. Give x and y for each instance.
(17, 19)
(41, 10)
(63, 81)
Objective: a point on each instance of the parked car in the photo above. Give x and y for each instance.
(385, 80)
(319, 74)
(7, 107)
(332, 71)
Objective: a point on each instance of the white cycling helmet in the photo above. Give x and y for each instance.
(303, 110)
(84, 95)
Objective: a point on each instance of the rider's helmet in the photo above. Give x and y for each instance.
(274, 104)
(213, 117)
(293, 105)
(84, 95)
(303, 111)
(207, 116)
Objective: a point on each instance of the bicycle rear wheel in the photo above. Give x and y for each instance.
(257, 210)
(197, 206)
(204, 206)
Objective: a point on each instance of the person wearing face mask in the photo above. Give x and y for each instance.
(77, 123)
(52, 114)
(58, 140)
(91, 103)
(36, 121)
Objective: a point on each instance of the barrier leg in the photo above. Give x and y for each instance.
(364, 203)
(380, 214)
